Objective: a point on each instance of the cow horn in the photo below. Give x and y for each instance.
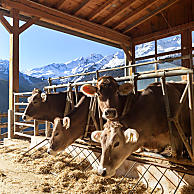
(66, 122)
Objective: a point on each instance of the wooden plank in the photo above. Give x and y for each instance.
(141, 8)
(29, 23)
(59, 4)
(66, 20)
(81, 6)
(3, 115)
(148, 16)
(100, 10)
(6, 24)
(118, 11)
(3, 125)
(14, 59)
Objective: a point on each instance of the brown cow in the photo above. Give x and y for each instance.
(71, 127)
(46, 107)
(118, 143)
(145, 110)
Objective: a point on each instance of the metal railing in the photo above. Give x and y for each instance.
(24, 128)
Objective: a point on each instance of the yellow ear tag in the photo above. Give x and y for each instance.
(131, 137)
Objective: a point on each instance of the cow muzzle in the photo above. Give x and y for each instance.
(110, 113)
(26, 117)
(102, 171)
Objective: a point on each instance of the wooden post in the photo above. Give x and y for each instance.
(13, 65)
(14, 58)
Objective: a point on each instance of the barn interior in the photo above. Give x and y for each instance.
(119, 23)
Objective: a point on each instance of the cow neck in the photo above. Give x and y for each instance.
(128, 104)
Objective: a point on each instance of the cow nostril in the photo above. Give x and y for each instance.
(24, 117)
(104, 173)
(48, 152)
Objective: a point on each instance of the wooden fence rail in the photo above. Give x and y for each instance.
(3, 124)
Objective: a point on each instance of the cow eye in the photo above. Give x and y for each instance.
(56, 134)
(116, 144)
(35, 102)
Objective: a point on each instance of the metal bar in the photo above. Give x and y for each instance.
(183, 137)
(128, 66)
(22, 134)
(22, 93)
(159, 180)
(86, 157)
(35, 146)
(168, 112)
(93, 162)
(24, 124)
(129, 170)
(18, 113)
(140, 179)
(140, 76)
(179, 183)
(191, 110)
(21, 104)
(76, 156)
(89, 116)
(166, 176)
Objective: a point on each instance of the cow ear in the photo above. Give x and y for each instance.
(43, 97)
(125, 89)
(36, 90)
(95, 136)
(88, 90)
(66, 122)
(131, 136)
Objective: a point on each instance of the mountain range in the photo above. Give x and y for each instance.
(34, 78)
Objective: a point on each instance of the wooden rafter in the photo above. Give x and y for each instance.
(151, 14)
(30, 22)
(68, 21)
(6, 24)
(118, 11)
(164, 33)
(83, 4)
(100, 9)
(143, 7)
(59, 4)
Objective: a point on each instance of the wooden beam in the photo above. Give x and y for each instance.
(151, 14)
(118, 11)
(127, 53)
(68, 21)
(82, 4)
(100, 10)
(163, 33)
(62, 29)
(14, 59)
(6, 24)
(141, 8)
(30, 22)
(59, 4)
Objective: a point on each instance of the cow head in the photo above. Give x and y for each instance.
(61, 136)
(117, 144)
(34, 104)
(108, 92)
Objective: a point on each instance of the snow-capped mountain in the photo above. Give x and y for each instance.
(97, 61)
(33, 78)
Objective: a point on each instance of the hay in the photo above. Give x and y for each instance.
(59, 175)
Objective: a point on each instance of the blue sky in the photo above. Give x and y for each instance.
(41, 46)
